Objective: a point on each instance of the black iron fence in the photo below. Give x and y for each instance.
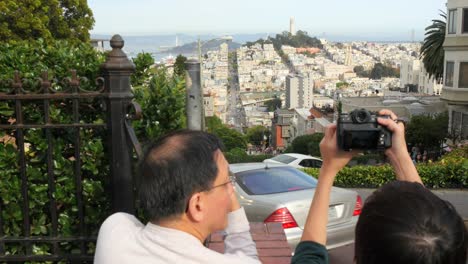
(48, 237)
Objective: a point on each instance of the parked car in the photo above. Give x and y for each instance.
(283, 194)
(296, 160)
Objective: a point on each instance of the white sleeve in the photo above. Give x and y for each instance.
(238, 240)
(112, 235)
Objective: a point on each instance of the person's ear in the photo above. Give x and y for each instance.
(195, 207)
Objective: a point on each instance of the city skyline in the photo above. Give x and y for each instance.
(364, 19)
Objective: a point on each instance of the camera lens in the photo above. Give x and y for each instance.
(360, 116)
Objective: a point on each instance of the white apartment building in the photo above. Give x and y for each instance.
(455, 88)
(323, 101)
(300, 123)
(409, 72)
(412, 72)
(428, 85)
(335, 70)
(299, 91)
(215, 80)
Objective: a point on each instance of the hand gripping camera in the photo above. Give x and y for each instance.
(360, 130)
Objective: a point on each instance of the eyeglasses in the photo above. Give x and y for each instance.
(232, 180)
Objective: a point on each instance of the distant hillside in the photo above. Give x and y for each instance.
(160, 43)
(206, 46)
(300, 39)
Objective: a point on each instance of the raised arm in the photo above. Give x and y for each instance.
(334, 160)
(238, 240)
(398, 154)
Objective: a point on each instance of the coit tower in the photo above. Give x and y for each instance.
(292, 30)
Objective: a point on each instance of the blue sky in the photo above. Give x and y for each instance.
(332, 17)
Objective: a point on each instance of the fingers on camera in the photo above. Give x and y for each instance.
(389, 123)
(389, 113)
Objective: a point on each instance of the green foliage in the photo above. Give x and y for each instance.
(256, 134)
(341, 85)
(30, 58)
(428, 131)
(142, 62)
(307, 144)
(380, 70)
(300, 39)
(444, 174)
(288, 149)
(212, 123)
(179, 66)
(163, 106)
(52, 19)
(364, 159)
(432, 50)
(58, 57)
(361, 72)
(273, 104)
(457, 153)
(231, 138)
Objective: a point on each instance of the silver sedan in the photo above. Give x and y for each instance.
(280, 193)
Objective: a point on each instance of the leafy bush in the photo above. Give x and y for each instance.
(231, 138)
(451, 172)
(163, 105)
(366, 158)
(58, 58)
(30, 58)
(142, 62)
(307, 144)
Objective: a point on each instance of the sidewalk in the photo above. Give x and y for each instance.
(457, 197)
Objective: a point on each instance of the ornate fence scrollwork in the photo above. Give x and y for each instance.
(48, 129)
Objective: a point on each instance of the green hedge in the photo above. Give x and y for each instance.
(57, 58)
(450, 172)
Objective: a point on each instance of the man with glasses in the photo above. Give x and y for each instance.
(186, 191)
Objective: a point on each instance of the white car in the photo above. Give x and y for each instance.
(296, 160)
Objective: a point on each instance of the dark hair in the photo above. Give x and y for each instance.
(403, 222)
(173, 168)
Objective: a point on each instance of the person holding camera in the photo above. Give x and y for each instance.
(402, 222)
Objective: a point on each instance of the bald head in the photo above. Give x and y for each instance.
(176, 166)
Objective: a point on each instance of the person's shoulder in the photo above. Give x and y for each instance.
(119, 221)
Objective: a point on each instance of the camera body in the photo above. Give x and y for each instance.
(359, 129)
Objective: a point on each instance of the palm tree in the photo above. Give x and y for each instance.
(432, 52)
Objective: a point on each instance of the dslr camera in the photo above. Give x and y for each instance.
(359, 129)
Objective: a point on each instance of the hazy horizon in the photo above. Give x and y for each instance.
(396, 20)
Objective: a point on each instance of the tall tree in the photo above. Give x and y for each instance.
(231, 138)
(143, 62)
(432, 51)
(179, 65)
(428, 131)
(257, 134)
(273, 104)
(163, 105)
(307, 144)
(51, 19)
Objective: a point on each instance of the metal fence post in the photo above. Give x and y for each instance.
(194, 105)
(116, 72)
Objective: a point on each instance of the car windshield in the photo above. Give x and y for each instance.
(274, 180)
(283, 159)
